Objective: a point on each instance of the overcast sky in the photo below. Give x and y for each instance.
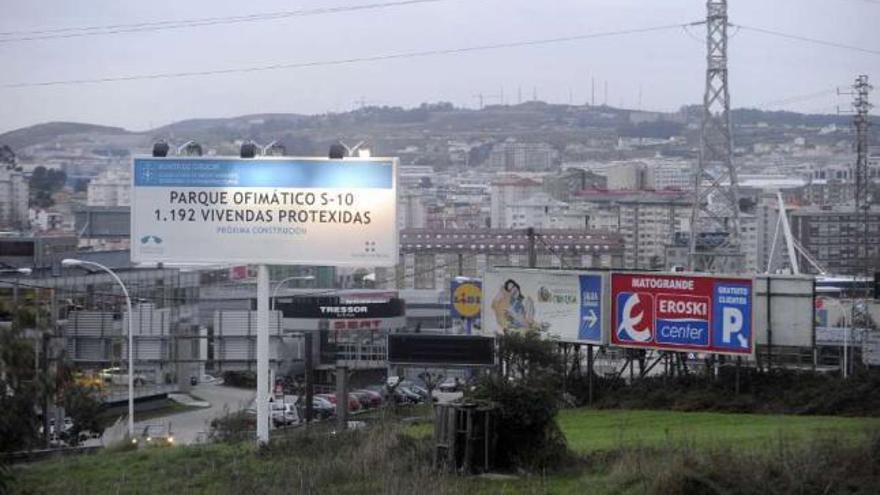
(668, 65)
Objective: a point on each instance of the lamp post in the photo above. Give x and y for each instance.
(284, 281)
(69, 262)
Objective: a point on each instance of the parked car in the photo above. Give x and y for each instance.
(354, 405)
(365, 400)
(285, 414)
(119, 376)
(322, 407)
(403, 395)
(451, 385)
(376, 399)
(420, 390)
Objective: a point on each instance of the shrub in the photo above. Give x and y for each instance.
(778, 391)
(233, 427)
(527, 396)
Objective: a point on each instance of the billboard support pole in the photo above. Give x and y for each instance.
(590, 374)
(738, 363)
(310, 387)
(341, 396)
(632, 371)
(262, 354)
(533, 255)
(769, 326)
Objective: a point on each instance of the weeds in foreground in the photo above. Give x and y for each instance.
(826, 465)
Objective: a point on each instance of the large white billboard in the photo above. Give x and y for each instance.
(568, 306)
(790, 318)
(264, 211)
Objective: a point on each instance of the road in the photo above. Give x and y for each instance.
(188, 427)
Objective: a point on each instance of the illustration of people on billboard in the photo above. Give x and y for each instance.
(514, 311)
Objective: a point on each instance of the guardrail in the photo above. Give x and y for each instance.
(120, 394)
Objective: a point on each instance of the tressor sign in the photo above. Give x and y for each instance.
(682, 312)
(264, 211)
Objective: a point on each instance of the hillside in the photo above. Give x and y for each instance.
(42, 133)
(431, 126)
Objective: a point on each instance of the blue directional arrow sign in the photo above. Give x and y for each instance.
(590, 330)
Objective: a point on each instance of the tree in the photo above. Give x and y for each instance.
(19, 392)
(83, 409)
(45, 182)
(431, 380)
(527, 395)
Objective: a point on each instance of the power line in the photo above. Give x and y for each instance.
(798, 98)
(75, 32)
(806, 39)
(345, 61)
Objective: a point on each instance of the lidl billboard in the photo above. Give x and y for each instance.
(466, 297)
(682, 312)
(564, 305)
(264, 211)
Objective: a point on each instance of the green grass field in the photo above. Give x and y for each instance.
(592, 430)
(602, 430)
(373, 462)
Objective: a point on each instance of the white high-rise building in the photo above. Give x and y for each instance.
(671, 176)
(515, 156)
(507, 192)
(541, 212)
(14, 195)
(648, 222)
(111, 188)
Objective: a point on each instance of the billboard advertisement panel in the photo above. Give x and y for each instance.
(264, 211)
(682, 312)
(440, 350)
(466, 298)
(565, 305)
(784, 310)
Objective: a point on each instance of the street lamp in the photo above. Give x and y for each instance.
(341, 150)
(288, 279)
(69, 262)
(274, 149)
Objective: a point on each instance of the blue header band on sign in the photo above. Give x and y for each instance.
(263, 173)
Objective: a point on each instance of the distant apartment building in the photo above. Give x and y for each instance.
(756, 245)
(430, 259)
(835, 184)
(623, 175)
(570, 181)
(542, 212)
(110, 188)
(831, 235)
(671, 176)
(37, 252)
(647, 221)
(513, 156)
(14, 196)
(506, 192)
(45, 221)
(412, 211)
(411, 177)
